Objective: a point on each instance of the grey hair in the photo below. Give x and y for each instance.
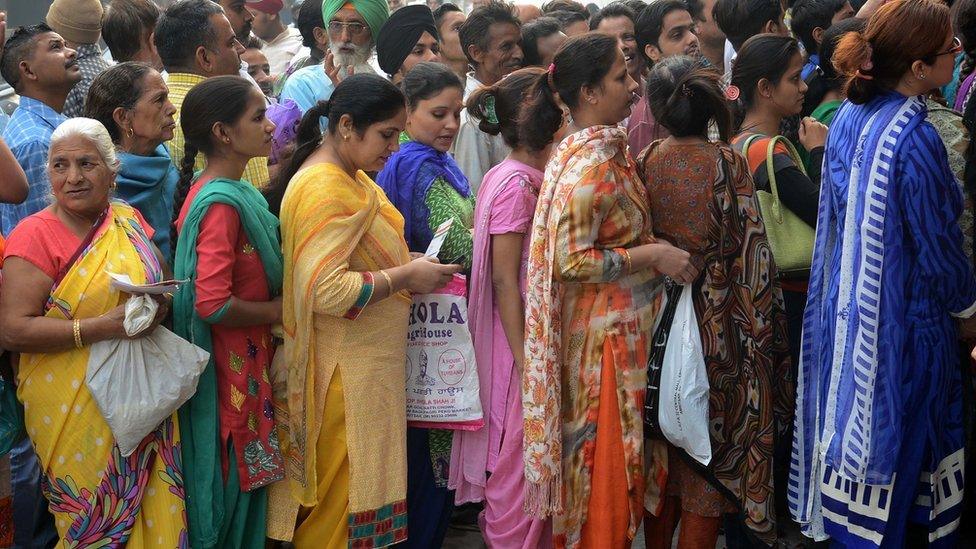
(92, 130)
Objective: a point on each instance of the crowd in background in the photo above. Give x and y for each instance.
(803, 170)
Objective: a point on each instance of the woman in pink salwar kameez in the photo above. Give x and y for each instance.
(486, 465)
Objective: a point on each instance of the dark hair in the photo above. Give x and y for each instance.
(531, 34)
(425, 80)
(762, 56)
(310, 17)
(567, 18)
(637, 6)
(613, 9)
(567, 6)
(684, 96)
(811, 14)
(17, 48)
(740, 20)
(697, 9)
(366, 98)
(891, 43)
(582, 61)
(216, 99)
(507, 95)
(964, 23)
(125, 23)
(182, 28)
(828, 46)
(443, 10)
(650, 24)
(117, 86)
(476, 30)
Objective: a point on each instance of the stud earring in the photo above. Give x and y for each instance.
(921, 76)
(130, 132)
(227, 140)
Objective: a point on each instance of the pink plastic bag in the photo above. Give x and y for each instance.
(442, 377)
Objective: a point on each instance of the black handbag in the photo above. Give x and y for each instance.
(652, 427)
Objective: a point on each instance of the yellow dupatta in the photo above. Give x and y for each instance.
(325, 218)
(95, 493)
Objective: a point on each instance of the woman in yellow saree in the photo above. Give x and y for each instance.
(56, 301)
(347, 280)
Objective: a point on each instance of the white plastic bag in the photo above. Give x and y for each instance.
(138, 383)
(684, 385)
(442, 377)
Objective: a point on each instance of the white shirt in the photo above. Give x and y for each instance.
(475, 151)
(281, 49)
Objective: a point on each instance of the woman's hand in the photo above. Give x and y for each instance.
(426, 274)
(673, 262)
(813, 134)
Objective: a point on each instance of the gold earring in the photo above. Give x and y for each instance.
(227, 140)
(921, 76)
(130, 132)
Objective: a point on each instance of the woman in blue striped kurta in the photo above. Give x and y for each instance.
(879, 437)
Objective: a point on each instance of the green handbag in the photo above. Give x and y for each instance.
(790, 238)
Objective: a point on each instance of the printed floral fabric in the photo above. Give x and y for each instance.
(948, 123)
(580, 298)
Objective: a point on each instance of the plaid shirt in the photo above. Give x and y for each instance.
(179, 84)
(91, 63)
(29, 137)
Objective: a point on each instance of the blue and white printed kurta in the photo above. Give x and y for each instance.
(879, 436)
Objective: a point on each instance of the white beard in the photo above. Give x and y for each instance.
(357, 59)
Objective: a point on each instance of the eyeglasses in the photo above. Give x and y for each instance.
(955, 48)
(355, 29)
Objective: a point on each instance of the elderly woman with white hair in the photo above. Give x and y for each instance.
(56, 301)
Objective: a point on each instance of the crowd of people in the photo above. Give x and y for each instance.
(803, 170)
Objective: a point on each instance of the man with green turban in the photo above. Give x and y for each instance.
(353, 27)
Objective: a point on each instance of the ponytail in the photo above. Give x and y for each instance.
(685, 96)
(497, 107)
(541, 115)
(307, 139)
(182, 189)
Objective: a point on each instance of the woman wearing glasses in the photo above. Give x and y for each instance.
(879, 439)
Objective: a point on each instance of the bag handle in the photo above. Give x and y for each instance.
(770, 168)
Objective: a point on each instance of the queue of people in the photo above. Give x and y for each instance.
(802, 172)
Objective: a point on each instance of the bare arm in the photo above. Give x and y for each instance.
(13, 181)
(506, 262)
(24, 291)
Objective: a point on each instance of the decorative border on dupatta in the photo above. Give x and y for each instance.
(364, 296)
(378, 527)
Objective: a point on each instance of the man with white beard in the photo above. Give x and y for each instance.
(352, 27)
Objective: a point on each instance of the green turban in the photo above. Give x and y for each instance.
(375, 12)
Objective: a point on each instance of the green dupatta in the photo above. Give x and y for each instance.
(199, 424)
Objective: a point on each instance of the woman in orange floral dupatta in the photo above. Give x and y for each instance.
(588, 304)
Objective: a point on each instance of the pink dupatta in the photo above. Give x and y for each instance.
(470, 451)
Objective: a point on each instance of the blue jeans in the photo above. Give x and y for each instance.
(33, 524)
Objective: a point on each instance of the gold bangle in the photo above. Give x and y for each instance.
(76, 326)
(629, 266)
(389, 281)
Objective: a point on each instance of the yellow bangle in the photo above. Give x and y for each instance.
(389, 281)
(76, 326)
(629, 266)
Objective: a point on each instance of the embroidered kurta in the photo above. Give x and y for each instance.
(585, 312)
(335, 231)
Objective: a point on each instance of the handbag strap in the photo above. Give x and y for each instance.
(771, 168)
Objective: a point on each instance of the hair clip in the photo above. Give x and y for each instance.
(732, 92)
(552, 69)
(686, 91)
(867, 64)
(490, 113)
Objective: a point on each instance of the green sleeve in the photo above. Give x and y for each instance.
(444, 202)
